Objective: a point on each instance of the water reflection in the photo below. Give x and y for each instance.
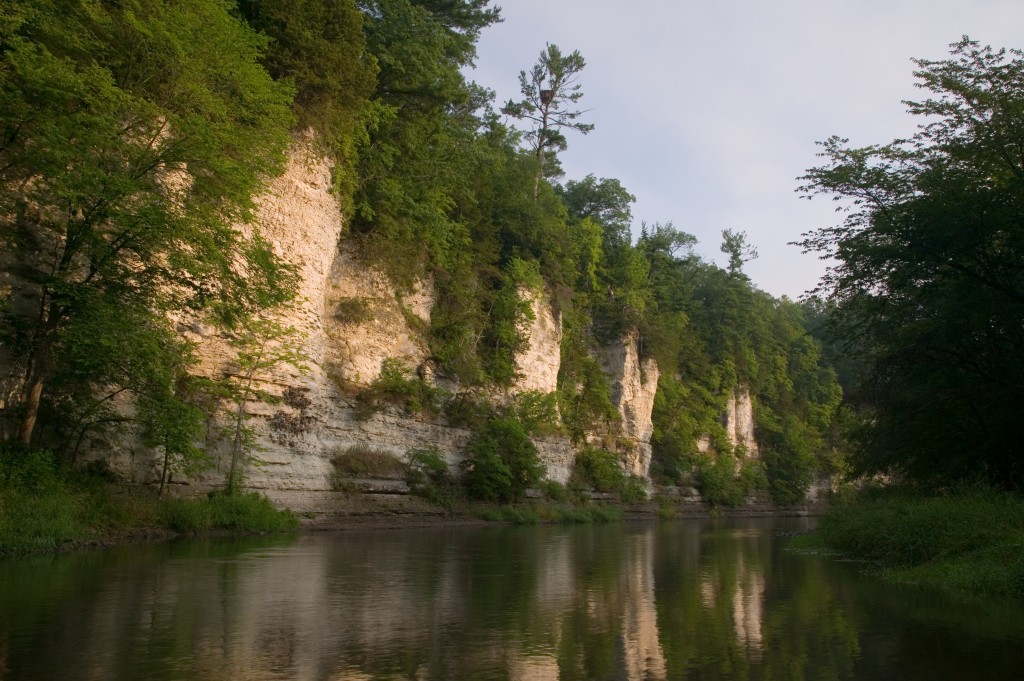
(698, 600)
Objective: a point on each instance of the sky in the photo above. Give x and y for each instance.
(709, 110)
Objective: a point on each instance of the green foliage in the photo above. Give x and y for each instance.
(238, 512)
(634, 490)
(599, 469)
(550, 91)
(137, 133)
(503, 462)
(536, 411)
(320, 49)
(27, 469)
(725, 480)
(969, 539)
(430, 478)
(927, 289)
(262, 345)
(397, 385)
(45, 506)
(584, 394)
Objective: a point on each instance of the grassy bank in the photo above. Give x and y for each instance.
(44, 507)
(969, 540)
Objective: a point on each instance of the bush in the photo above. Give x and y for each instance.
(430, 478)
(246, 512)
(717, 480)
(398, 386)
(971, 539)
(537, 411)
(634, 490)
(554, 491)
(360, 461)
(27, 469)
(503, 462)
(599, 469)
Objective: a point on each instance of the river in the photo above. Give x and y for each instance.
(699, 599)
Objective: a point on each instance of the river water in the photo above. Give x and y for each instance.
(711, 599)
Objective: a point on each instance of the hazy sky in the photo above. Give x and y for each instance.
(708, 110)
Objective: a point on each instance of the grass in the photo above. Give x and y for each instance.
(969, 540)
(44, 507)
(551, 513)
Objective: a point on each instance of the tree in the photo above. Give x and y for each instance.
(549, 92)
(929, 280)
(133, 137)
(604, 201)
(261, 345)
(739, 250)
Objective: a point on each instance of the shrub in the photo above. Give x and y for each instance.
(599, 469)
(634, 490)
(537, 411)
(503, 462)
(28, 469)
(430, 478)
(360, 461)
(247, 512)
(397, 385)
(717, 481)
(554, 491)
(353, 311)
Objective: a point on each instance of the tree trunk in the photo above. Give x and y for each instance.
(33, 396)
(236, 445)
(163, 472)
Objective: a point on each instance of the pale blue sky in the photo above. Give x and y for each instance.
(708, 111)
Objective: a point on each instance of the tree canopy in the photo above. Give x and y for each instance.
(929, 283)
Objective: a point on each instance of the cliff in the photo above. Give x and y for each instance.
(350, 320)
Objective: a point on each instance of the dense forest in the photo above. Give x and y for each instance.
(135, 135)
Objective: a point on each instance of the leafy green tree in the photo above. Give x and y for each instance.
(320, 48)
(604, 201)
(503, 462)
(550, 93)
(739, 250)
(929, 280)
(262, 345)
(134, 135)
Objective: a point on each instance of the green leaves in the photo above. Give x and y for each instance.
(549, 92)
(133, 137)
(929, 285)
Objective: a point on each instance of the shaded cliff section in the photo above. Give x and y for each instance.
(352, 322)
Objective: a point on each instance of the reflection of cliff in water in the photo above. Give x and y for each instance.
(651, 602)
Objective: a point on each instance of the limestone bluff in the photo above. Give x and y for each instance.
(300, 215)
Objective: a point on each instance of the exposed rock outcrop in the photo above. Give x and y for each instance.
(634, 381)
(538, 365)
(738, 420)
(351, 319)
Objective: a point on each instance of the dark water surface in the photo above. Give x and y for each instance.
(682, 600)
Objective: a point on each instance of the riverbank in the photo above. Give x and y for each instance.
(970, 540)
(45, 507)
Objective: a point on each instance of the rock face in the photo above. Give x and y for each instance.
(634, 382)
(739, 421)
(351, 319)
(739, 424)
(538, 365)
(367, 322)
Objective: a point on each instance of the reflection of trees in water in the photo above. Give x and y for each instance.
(726, 610)
(680, 600)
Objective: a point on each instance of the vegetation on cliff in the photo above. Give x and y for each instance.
(136, 134)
